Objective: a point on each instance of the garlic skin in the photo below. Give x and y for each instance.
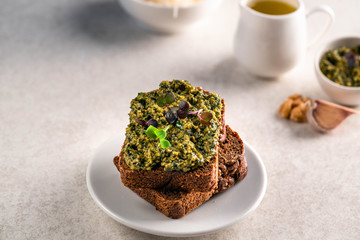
(325, 116)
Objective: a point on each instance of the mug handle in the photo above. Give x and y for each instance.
(328, 10)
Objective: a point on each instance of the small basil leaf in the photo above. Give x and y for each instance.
(161, 101)
(150, 131)
(164, 143)
(182, 114)
(160, 133)
(141, 122)
(184, 106)
(206, 116)
(152, 122)
(170, 97)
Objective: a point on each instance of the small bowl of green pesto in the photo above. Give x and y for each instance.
(337, 66)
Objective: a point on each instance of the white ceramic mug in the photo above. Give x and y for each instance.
(270, 45)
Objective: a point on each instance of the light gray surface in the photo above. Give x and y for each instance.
(68, 70)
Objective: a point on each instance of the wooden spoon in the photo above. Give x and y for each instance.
(325, 116)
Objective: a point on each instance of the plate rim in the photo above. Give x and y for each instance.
(129, 224)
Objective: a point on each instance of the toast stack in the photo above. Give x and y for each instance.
(176, 193)
(232, 168)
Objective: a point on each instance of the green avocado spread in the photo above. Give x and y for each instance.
(192, 144)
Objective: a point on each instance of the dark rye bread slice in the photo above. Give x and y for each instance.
(232, 169)
(173, 204)
(201, 179)
(232, 162)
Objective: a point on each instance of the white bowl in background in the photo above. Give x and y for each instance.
(166, 19)
(341, 94)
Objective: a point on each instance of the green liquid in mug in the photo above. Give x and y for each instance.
(272, 7)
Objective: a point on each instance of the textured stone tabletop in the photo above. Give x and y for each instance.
(68, 70)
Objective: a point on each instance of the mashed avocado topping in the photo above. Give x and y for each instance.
(192, 144)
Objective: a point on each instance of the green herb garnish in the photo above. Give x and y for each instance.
(154, 133)
(205, 117)
(160, 133)
(151, 122)
(182, 111)
(167, 99)
(164, 143)
(150, 131)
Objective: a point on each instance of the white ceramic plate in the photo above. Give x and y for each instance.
(123, 205)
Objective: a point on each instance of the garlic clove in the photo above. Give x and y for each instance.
(325, 116)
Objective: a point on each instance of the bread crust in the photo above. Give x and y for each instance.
(232, 162)
(173, 204)
(201, 179)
